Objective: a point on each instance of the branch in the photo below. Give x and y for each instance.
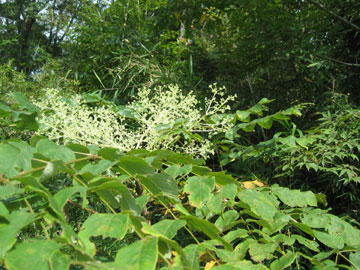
(343, 20)
(338, 61)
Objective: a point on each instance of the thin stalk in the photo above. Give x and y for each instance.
(41, 223)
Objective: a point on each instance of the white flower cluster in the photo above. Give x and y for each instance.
(164, 118)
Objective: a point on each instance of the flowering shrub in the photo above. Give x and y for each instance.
(163, 118)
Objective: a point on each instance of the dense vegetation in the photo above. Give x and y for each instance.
(157, 134)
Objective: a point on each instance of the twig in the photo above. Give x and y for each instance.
(343, 20)
(83, 208)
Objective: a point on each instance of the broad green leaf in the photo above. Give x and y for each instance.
(9, 231)
(295, 198)
(264, 101)
(15, 156)
(258, 109)
(31, 255)
(59, 261)
(265, 122)
(316, 218)
(330, 240)
(260, 203)
(192, 254)
(109, 153)
(285, 261)
(313, 245)
(127, 201)
(140, 255)
(169, 228)
(160, 184)
(98, 168)
(233, 235)
(4, 212)
(134, 166)
(23, 101)
(207, 228)
(243, 247)
(224, 196)
(53, 151)
(63, 195)
(227, 218)
(260, 252)
(348, 233)
(216, 204)
(199, 189)
(9, 190)
(165, 242)
(247, 127)
(200, 170)
(221, 178)
(177, 170)
(355, 259)
(106, 225)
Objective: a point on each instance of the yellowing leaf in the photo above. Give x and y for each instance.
(210, 265)
(253, 184)
(203, 18)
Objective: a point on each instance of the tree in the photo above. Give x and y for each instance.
(31, 31)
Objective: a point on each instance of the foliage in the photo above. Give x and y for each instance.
(225, 224)
(32, 31)
(331, 155)
(13, 81)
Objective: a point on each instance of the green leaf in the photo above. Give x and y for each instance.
(247, 127)
(285, 261)
(260, 203)
(313, 245)
(127, 201)
(264, 101)
(134, 166)
(295, 198)
(207, 228)
(331, 240)
(177, 170)
(4, 212)
(23, 101)
(140, 255)
(38, 250)
(355, 259)
(199, 189)
(161, 184)
(260, 252)
(265, 122)
(98, 168)
(59, 261)
(258, 109)
(53, 151)
(63, 195)
(9, 190)
(192, 254)
(8, 232)
(169, 228)
(226, 219)
(238, 233)
(15, 156)
(106, 225)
